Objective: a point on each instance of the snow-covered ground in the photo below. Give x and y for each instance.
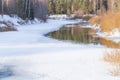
(58, 16)
(31, 56)
(114, 35)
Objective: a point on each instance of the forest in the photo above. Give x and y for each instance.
(83, 6)
(42, 8)
(26, 9)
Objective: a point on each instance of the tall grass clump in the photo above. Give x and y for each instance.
(113, 58)
(107, 21)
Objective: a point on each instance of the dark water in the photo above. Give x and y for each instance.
(6, 72)
(75, 34)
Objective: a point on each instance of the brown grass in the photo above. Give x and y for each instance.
(95, 20)
(8, 27)
(84, 17)
(108, 21)
(110, 43)
(114, 59)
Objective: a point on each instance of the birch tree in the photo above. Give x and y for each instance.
(2, 7)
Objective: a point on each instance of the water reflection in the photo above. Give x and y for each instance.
(76, 34)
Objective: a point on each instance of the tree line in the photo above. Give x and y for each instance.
(83, 6)
(29, 9)
(26, 9)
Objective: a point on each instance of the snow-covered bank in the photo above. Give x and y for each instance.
(35, 57)
(114, 35)
(14, 20)
(59, 16)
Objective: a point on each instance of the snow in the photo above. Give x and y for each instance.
(61, 16)
(32, 56)
(17, 21)
(13, 20)
(2, 25)
(58, 16)
(114, 35)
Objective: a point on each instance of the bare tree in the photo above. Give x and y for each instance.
(2, 8)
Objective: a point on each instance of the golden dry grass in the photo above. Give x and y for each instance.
(110, 43)
(114, 59)
(108, 21)
(95, 20)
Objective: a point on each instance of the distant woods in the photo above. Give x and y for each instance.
(83, 6)
(29, 9)
(26, 9)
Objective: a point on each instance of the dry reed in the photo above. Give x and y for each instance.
(114, 59)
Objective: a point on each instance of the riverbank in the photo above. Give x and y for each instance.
(108, 25)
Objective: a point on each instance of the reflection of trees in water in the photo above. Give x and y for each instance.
(81, 35)
(109, 43)
(76, 34)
